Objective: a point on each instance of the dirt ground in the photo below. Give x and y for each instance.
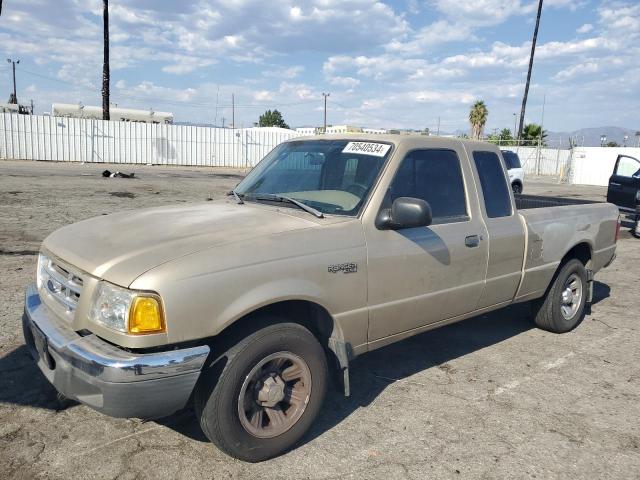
(490, 397)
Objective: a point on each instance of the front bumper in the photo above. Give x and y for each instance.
(111, 380)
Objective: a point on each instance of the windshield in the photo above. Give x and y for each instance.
(332, 176)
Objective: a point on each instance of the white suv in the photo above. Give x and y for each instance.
(515, 170)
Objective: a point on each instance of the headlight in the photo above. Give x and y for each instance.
(40, 273)
(126, 310)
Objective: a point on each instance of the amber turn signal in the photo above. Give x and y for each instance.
(146, 316)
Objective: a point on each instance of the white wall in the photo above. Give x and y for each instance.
(36, 137)
(594, 165)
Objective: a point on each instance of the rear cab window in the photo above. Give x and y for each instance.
(435, 176)
(495, 188)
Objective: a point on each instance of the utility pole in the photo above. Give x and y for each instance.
(438, 132)
(14, 97)
(325, 95)
(105, 65)
(233, 111)
(526, 87)
(32, 106)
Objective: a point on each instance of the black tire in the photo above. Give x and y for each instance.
(548, 313)
(517, 188)
(216, 397)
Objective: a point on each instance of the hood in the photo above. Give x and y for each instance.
(122, 246)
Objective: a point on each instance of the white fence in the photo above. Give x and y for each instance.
(543, 161)
(594, 165)
(35, 137)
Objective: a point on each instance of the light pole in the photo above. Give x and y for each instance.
(14, 96)
(106, 72)
(603, 138)
(325, 95)
(515, 123)
(624, 140)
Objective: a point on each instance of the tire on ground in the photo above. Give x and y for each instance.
(216, 397)
(547, 310)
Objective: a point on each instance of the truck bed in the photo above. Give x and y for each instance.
(527, 202)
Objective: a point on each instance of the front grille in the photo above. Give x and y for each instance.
(63, 285)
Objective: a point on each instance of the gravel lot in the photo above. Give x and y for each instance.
(491, 397)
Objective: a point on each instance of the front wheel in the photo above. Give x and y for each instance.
(562, 308)
(259, 398)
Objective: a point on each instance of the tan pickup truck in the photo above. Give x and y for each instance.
(331, 247)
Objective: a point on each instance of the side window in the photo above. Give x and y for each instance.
(628, 167)
(511, 159)
(495, 189)
(434, 176)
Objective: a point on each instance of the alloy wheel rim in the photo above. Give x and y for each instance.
(274, 395)
(571, 296)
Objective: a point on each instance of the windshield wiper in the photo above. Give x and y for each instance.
(297, 203)
(237, 197)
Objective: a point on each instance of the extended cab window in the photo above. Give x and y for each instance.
(434, 176)
(495, 189)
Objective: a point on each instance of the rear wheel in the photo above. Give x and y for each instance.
(562, 308)
(259, 398)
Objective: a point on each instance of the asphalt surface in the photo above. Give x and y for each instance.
(490, 397)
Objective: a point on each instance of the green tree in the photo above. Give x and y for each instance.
(272, 119)
(502, 138)
(478, 118)
(612, 144)
(533, 134)
(506, 138)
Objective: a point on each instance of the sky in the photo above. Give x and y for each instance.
(388, 64)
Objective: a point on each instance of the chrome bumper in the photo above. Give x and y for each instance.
(111, 380)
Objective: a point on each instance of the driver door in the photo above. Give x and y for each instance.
(423, 275)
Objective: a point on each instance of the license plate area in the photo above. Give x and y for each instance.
(42, 346)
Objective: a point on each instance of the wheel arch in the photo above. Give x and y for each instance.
(582, 251)
(307, 313)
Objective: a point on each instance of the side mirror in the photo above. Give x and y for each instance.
(406, 212)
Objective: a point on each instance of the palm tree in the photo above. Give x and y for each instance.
(105, 66)
(526, 87)
(478, 118)
(532, 134)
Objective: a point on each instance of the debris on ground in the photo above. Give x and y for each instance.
(108, 174)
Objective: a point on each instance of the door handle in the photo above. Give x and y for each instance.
(472, 241)
(614, 184)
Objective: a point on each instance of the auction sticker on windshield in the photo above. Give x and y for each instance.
(367, 148)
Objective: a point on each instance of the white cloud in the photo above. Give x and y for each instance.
(347, 82)
(436, 33)
(482, 12)
(284, 72)
(576, 70)
(586, 28)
